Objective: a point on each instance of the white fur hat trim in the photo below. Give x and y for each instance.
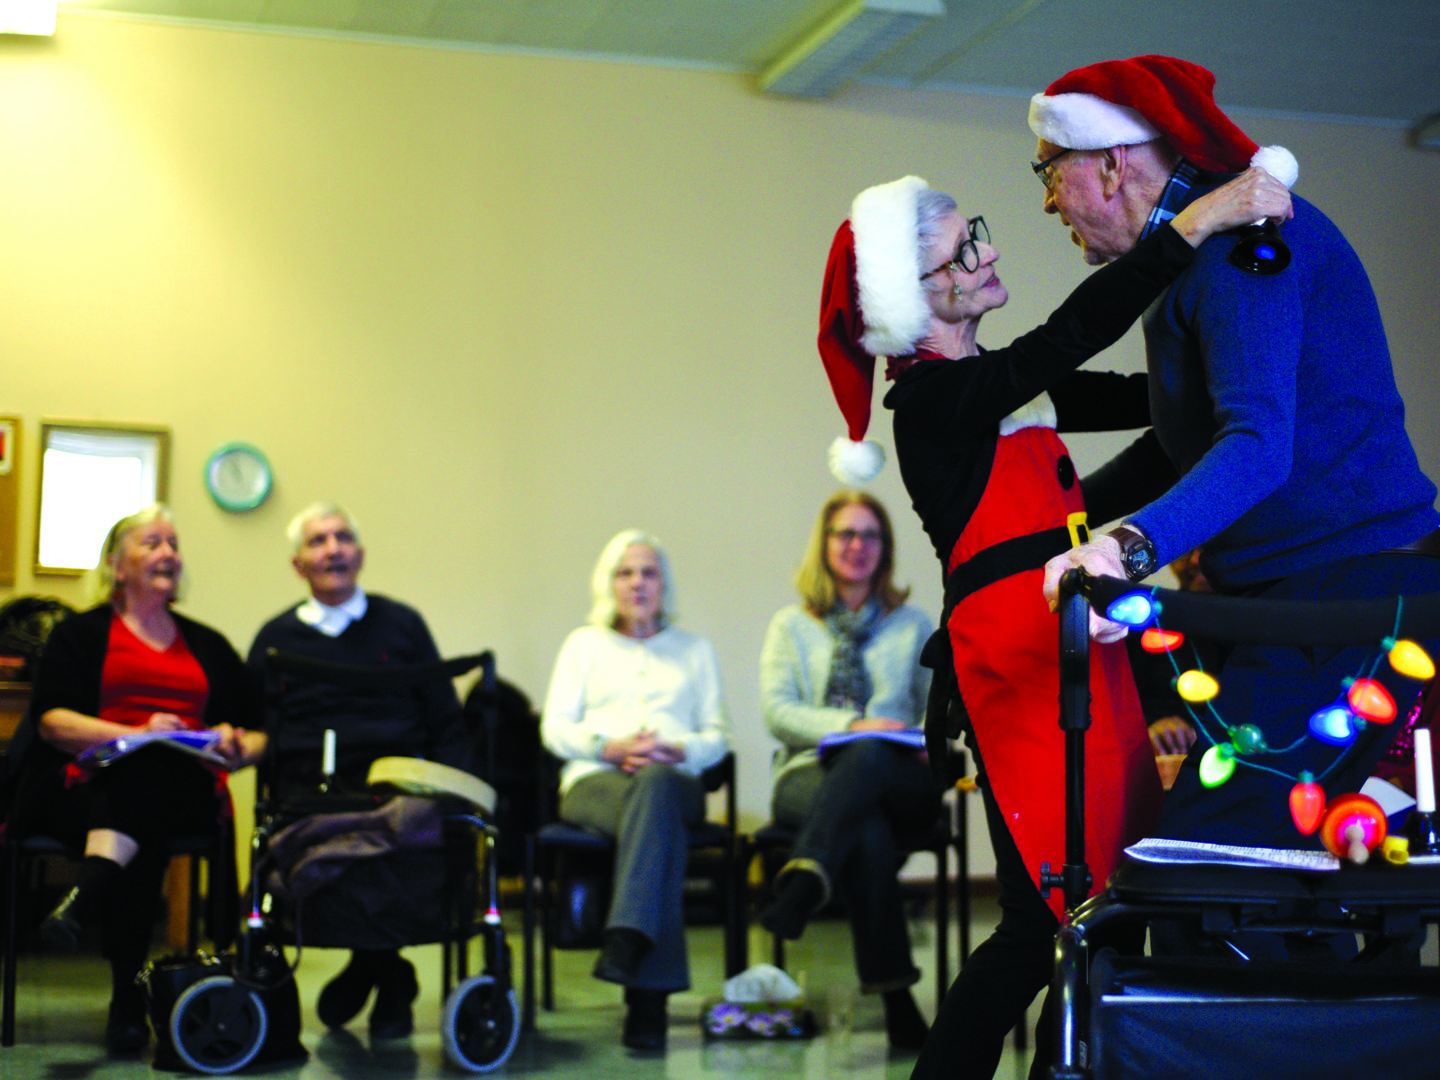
(887, 267)
(1087, 122)
(1279, 163)
(856, 463)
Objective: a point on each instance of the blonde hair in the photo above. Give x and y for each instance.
(100, 583)
(814, 580)
(602, 579)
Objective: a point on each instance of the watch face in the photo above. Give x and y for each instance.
(238, 477)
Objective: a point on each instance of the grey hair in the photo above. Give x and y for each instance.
(931, 208)
(602, 580)
(295, 531)
(100, 583)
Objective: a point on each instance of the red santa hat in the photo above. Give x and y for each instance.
(872, 304)
(1124, 102)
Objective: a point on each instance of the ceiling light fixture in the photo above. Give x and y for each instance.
(844, 43)
(35, 17)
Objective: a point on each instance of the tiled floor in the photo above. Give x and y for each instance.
(62, 1011)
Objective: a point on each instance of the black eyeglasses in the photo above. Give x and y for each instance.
(1043, 170)
(967, 256)
(849, 536)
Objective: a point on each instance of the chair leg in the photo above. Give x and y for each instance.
(961, 844)
(942, 920)
(547, 928)
(527, 1014)
(12, 896)
(736, 946)
(192, 912)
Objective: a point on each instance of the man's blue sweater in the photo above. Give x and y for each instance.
(1275, 400)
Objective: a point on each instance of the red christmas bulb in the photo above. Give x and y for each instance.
(1307, 804)
(1371, 701)
(1155, 640)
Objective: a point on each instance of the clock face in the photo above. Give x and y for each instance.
(238, 477)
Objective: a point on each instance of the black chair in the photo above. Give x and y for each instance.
(772, 843)
(22, 860)
(716, 839)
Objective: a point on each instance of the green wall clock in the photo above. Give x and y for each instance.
(238, 477)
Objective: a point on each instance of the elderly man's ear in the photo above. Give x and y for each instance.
(1113, 163)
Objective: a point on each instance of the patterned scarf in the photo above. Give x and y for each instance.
(849, 684)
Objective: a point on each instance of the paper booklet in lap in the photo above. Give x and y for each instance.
(911, 737)
(199, 743)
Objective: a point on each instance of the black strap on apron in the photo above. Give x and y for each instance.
(945, 714)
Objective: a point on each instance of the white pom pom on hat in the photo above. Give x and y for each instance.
(856, 463)
(872, 304)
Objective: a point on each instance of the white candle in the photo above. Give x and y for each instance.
(1424, 773)
(327, 755)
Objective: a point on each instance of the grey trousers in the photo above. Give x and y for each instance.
(648, 814)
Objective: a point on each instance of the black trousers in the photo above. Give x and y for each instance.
(849, 813)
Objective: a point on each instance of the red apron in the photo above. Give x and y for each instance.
(1007, 646)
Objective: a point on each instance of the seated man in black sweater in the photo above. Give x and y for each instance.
(341, 623)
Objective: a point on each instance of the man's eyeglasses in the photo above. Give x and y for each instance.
(849, 536)
(967, 255)
(1044, 170)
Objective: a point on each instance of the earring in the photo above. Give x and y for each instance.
(956, 290)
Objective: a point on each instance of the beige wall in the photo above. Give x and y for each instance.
(503, 306)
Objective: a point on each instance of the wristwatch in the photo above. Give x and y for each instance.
(1137, 553)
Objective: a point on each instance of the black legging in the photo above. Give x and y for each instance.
(150, 796)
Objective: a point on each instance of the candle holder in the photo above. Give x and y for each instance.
(1420, 829)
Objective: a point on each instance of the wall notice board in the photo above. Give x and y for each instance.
(9, 496)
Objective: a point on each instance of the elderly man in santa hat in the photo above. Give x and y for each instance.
(1273, 399)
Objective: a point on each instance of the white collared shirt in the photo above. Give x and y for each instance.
(332, 621)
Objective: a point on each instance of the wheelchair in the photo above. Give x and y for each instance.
(1259, 989)
(444, 891)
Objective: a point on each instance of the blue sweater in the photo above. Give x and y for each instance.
(1275, 400)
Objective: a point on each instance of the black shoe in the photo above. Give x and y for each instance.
(620, 955)
(126, 1031)
(905, 1028)
(391, 1017)
(63, 926)
(801, 893)
(645, 1020)
(345, 995)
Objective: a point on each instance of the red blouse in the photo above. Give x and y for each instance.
(138, 680)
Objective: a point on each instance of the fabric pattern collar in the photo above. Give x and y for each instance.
(1173, 199)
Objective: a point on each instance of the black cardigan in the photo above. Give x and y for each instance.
(69, 677)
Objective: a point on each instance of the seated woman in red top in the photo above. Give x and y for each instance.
(130, 664)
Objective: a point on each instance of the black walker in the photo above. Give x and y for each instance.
(1231, 1015)
(220, 1022)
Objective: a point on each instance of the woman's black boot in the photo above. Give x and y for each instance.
(63, 927)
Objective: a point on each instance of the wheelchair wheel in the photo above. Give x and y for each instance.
(218, 1026)
(481, 1024)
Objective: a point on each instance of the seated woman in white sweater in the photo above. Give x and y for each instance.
(635, 709)
(848, 660)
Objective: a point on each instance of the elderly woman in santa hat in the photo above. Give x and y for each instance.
(909, 278)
